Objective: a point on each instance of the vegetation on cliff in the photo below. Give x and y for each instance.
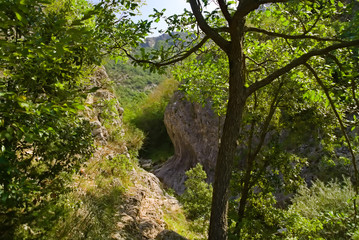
(282, 73)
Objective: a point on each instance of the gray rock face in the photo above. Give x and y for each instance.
(194, 131)
(105, 109)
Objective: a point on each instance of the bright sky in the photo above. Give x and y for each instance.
(171, 6)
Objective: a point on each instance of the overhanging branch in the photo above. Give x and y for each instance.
(172, 60)
(224, 9)
(298, 61)
(247, 6)
(286, 36)
(271, 1)
(213, 34)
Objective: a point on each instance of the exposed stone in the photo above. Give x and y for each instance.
(169, 235)
(145, 163)
(142, 212)
(139, 215)
(194, 131)
(104, 108)
(98, 131)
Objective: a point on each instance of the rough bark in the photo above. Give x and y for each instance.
(231, 130)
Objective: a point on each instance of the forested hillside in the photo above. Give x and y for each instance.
(248, 109)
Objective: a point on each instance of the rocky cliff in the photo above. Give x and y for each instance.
(194, 131)
(112, 181)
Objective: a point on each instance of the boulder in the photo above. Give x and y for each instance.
(194, 131)
(169, 235)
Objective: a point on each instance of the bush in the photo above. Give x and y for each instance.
(197, 197)
(323, 211)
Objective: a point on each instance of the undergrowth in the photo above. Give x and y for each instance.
(98, 193)
(148, 116)
(177, 221)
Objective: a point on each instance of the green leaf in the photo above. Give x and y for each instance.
(18, 16)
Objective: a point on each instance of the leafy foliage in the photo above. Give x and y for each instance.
(149, 118)
(46, 49)
(198, 193)
(322, 212)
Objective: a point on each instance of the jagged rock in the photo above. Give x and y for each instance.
(145, 163)
(142, 212)
(169, 235)
(105, 108)
(139, 214)
(194, 131)
(98, 131)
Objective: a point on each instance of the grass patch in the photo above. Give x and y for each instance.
(148, 117)
(91, 209)
(176, 221)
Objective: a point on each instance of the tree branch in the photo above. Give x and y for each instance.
(298, 61)
(271, 1)
(268, 120)
(171, 60)
(302, 36)
(336, 60)
(342, 128)
(224, 9)
(218, 39)
(244, 7)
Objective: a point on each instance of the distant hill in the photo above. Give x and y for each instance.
(162, 40)
(151, 42)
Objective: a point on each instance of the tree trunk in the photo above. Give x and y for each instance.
(244, 197)
(231, 130)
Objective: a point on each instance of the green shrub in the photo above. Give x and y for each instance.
(197, 197)
(323, 211)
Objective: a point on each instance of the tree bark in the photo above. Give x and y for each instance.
(231, 130)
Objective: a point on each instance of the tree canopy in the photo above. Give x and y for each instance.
(265, 43)
(262, 52)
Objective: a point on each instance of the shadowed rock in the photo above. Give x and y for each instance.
(194, 131)
(169, 235)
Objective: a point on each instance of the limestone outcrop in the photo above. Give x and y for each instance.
(194, 131)
(140, 214)
(104, 113)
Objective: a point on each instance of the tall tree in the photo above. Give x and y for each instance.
(306, 31)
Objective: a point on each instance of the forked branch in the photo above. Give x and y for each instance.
(209, 31)
(224, 9)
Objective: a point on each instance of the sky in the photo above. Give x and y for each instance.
(171, 6)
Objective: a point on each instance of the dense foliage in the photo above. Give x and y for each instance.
(265, 52)
(47, 51)
(284, 74)
(197, 196)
